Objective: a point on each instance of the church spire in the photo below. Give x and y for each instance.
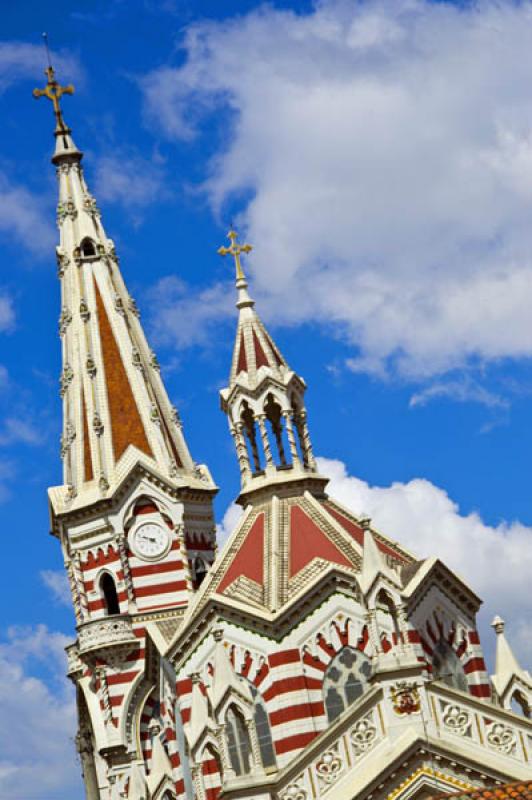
(116, 411)
(265, 398)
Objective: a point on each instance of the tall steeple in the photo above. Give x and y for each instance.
(115, 407)
(264, 401)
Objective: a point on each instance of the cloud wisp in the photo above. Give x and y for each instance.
(387, 155)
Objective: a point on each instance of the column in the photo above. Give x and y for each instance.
(304, 436)
(287, 415)
(261, 419)
(241, 451)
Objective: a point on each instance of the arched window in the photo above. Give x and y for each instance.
(275, 419)
(238, 742)
(250, 429)
(446, 666)
(87, 248)
(262, 726)
(386, 614)
(519, 704)
(108, 589)
(200, 571)
(345, 680)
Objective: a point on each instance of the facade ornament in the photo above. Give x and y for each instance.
(97, 424)
(154, 361)
(133, 307)
(103, 483)
(294, 792)
(176, 418)
(63, 169)
(90, 206)
(119, 305)
(84, 310)
(66, 378)
(174, 470)
(90, 365)
(329, 767)
(62, 262)
(501, 737)
(112, 254)
(66, 210)
(65, 318)
(363, 735)
(154, 414)
(67, 438)
(457, 720)
(103, 692)
(136, 359)
(70, 492)
(405, 698)
(124, 561)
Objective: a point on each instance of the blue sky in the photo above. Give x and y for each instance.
(379, 157)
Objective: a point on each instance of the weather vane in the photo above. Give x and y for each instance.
(234, 250)
(53, 91)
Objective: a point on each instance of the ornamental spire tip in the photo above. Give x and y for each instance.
(235, 250)
(54, 91)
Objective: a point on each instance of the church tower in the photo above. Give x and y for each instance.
(134, 513)
(313, 657)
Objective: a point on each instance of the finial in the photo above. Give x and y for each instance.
(234, 250)
(53, 91)
(498, 625)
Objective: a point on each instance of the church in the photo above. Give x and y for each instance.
(311, 657)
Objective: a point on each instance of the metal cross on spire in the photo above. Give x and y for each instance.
(234, 250)
(53, 91)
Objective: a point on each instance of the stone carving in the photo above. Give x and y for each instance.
(103, 483)
(136, 359)
(84, 310)
(457, 720)
(154, 414)
(133, 307)
(66, 378)
(102, 634)
(62, 263)
(363, 735)
(176, 419)
(90, 365)
(97, 424)
(502, 738)
(405, 698)
(67, 438)
(154, 361)
(66, 209)
(119, 305)
(65, 318)
(294, 792)
(90, 206)
(329, 767)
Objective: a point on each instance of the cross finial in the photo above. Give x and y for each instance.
(53, 91)
(234, 250)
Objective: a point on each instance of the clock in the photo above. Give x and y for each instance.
(150, 540)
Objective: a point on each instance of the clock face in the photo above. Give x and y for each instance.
(150, 540)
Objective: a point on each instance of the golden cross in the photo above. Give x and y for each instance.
(234, 250)
(53, 91)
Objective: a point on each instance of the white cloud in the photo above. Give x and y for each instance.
(19, 61)
(130, 180)
(464, 390)
(386, 148)
(186, 318)
(37, 760)
(25, 217)
(57, 582)
(16, 430)
(495, 561)
(7, 313)
(229, 522)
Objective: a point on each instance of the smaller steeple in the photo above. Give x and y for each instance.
(265, 398)
(373, 561)
(510, 680)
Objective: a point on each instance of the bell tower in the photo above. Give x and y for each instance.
(134, 512)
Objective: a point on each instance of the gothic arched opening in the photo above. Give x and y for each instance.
(110, 595)
(447, 667)
(238, 742)
(200, 571)
(386, 614)
(262, 726)
(273, 412)
(345, 680)
(250, 429)
(519, 704)
(88, 248)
